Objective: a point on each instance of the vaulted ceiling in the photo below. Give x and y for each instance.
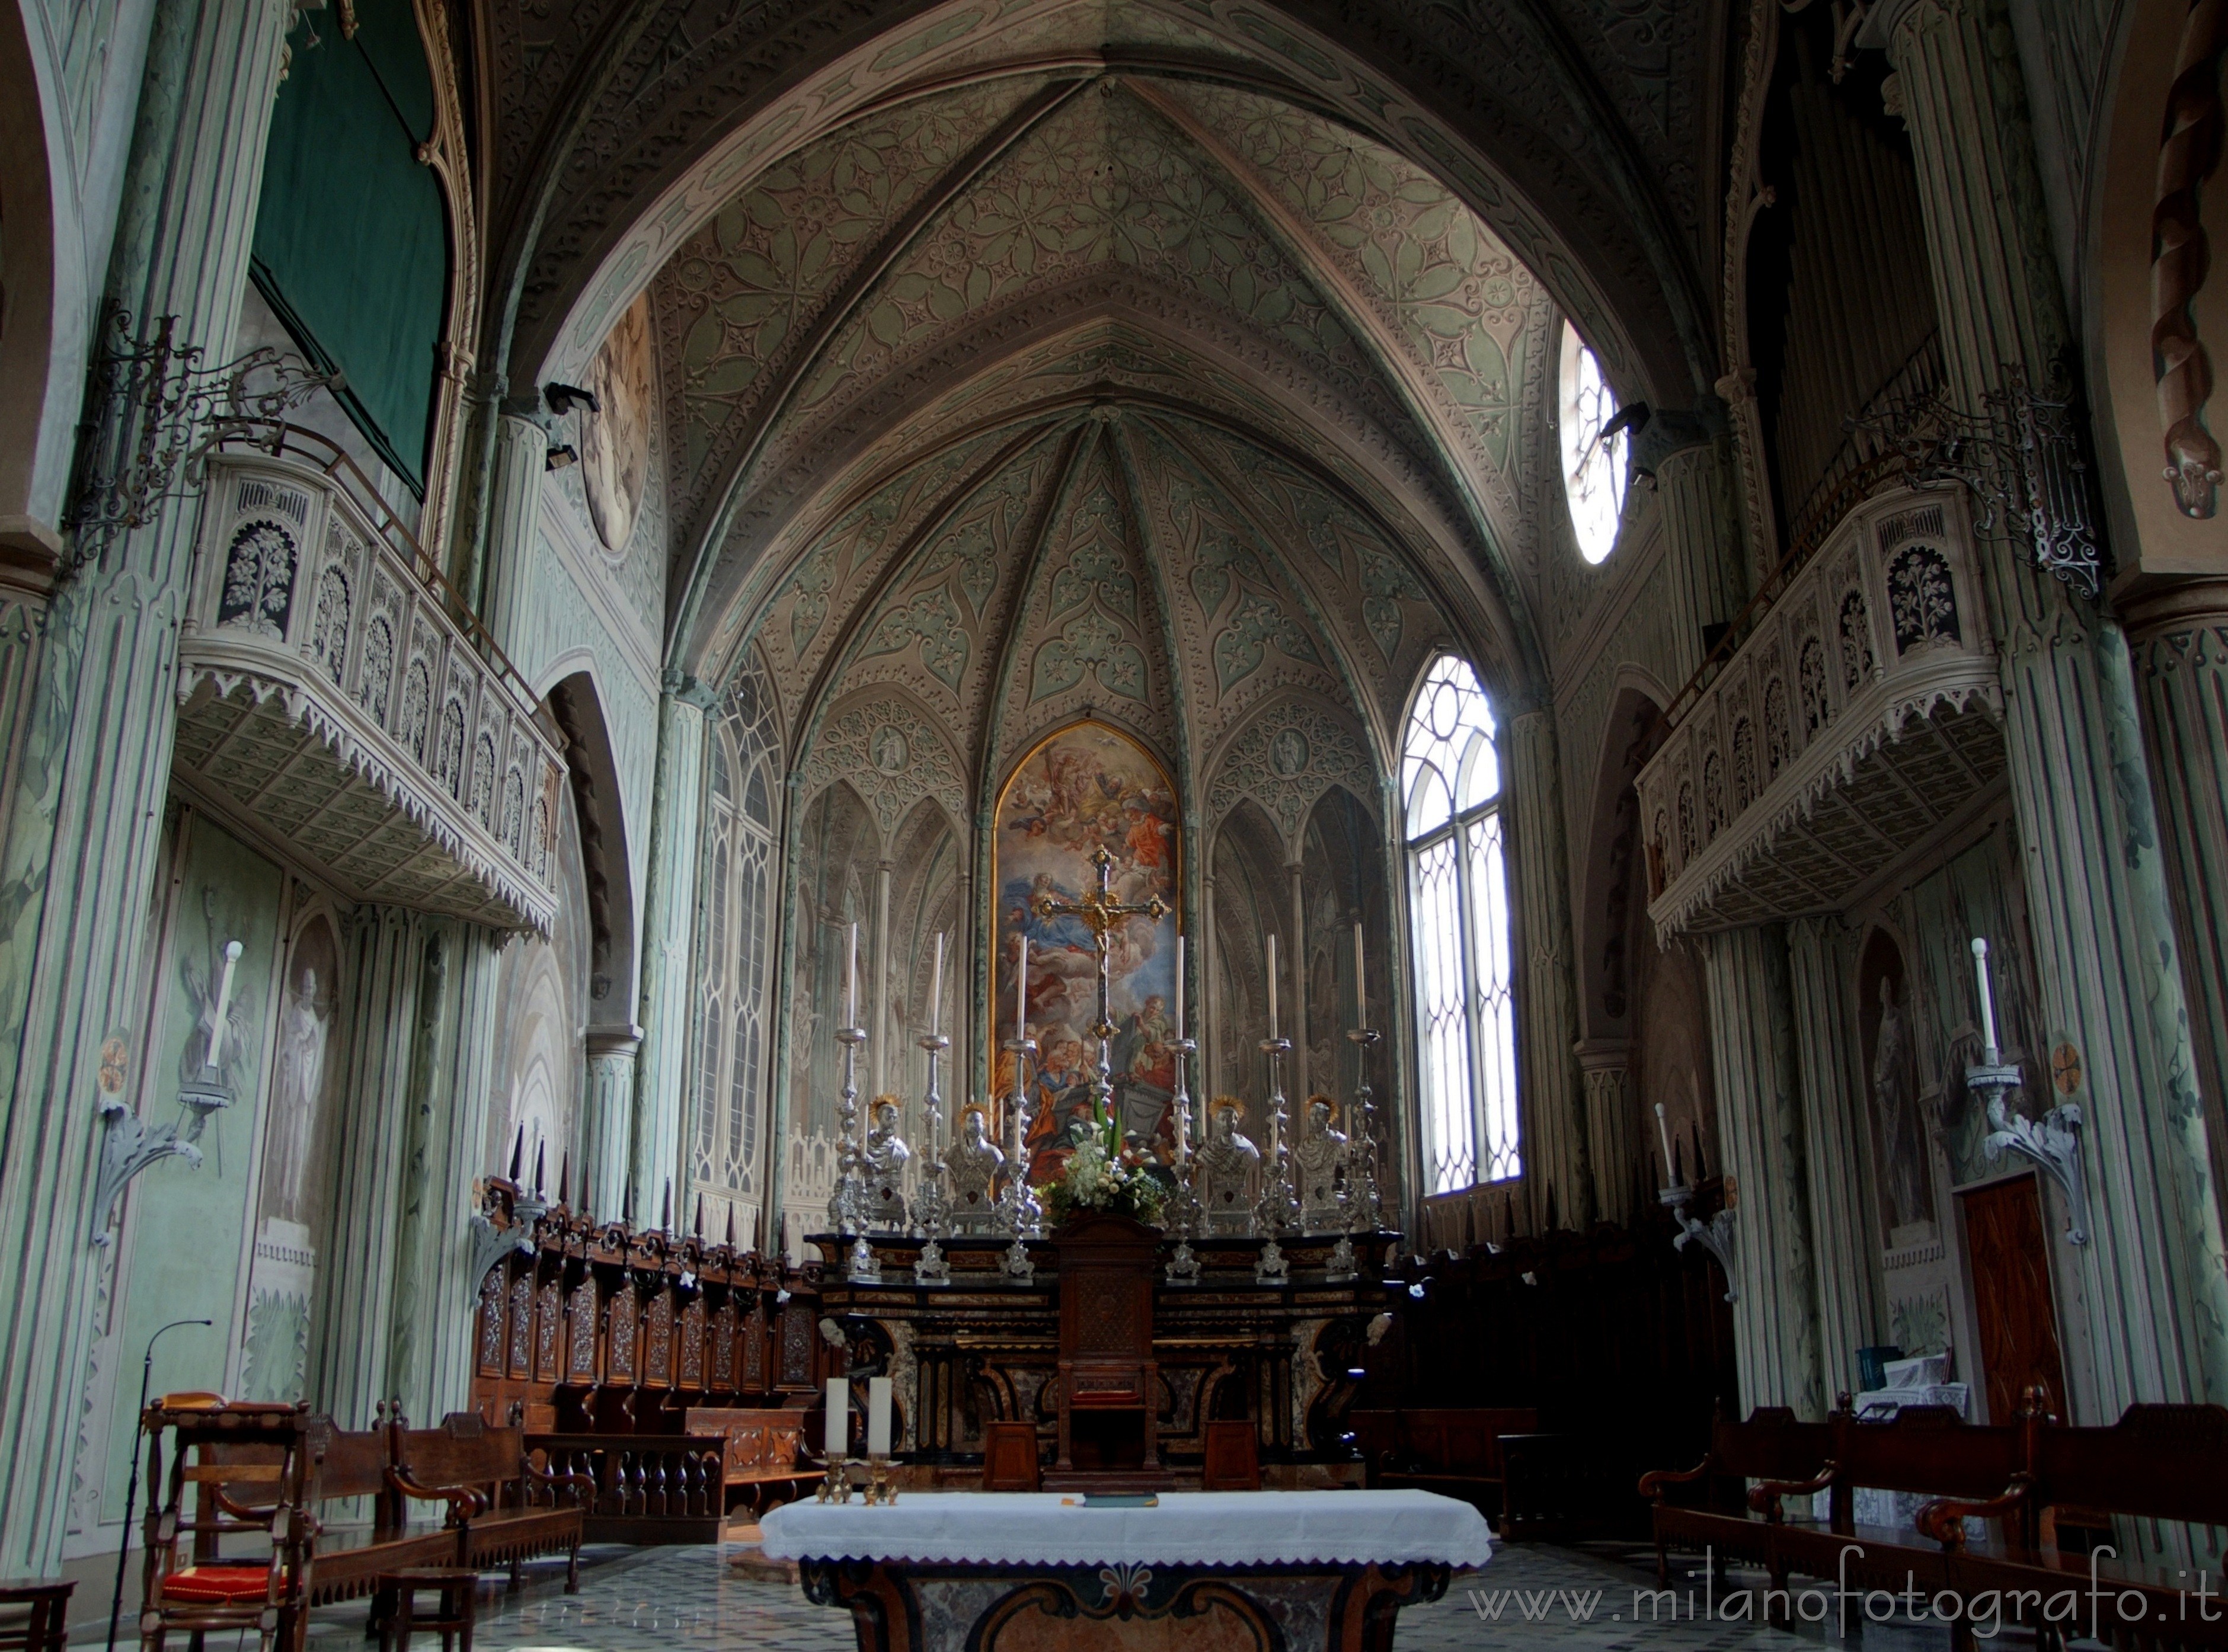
(1255, 299)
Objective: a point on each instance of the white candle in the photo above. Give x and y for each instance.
(839, 1416)
(1987, 1003)
(1021, 995)
(1272, 986)
(1360, 991)
(851, 980)
(223, 1003)
(878, 1416)
(935, 990)
(1663, 1129)
(1179, 988)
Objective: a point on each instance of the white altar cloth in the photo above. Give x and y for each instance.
(1195, 1529)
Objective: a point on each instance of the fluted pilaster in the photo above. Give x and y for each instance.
(1701, 545)
(513, 517)
(454, 1043)
(1617, 1144)
(1821, 964)
(2179, 638)
(608, 1130)
(2105, 944)
(96, 760)
(669, 940)
(1752, 1046)
(355, 1293)
(1555, 1155)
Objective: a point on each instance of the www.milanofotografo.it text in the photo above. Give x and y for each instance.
(2091, 1606)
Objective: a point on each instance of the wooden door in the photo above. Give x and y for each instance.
(2009, 1254)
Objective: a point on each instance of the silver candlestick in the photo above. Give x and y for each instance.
(1019, 1216)
(1365, 1201)
(1183, 1205)
(847, 1204)
(1278, 1207)
(932, 1206)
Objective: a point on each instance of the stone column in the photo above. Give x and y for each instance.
(96, 761)
(1845, 1220)
(1617, 1145)
(1555, 1156)
(355, 1292)
(2105, 946)
(1760, 1127)
(607, 1132)
(519, 463)
(669, 939)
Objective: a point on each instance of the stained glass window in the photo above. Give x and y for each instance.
(1593, 470)
(1458, 907)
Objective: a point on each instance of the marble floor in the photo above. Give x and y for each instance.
(645, 1600)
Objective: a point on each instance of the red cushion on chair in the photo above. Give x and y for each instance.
(218, 1584)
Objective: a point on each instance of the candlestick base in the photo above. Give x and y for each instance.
(1016, 1265)
(1341, 1265)
(836, 1487)
(864, 1267)
(1183, 1266)
(1272, 1268)
(881, 1490)
(931, 1268)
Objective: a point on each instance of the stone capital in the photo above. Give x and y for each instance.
(2150, 605)
(617, 1038)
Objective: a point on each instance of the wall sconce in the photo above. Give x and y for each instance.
(563, 398)
(560, 455)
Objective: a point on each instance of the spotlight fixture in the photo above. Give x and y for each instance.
(560, 455)
(563, 398)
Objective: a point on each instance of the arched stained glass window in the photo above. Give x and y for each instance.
(1594, 470)
(1458, 907)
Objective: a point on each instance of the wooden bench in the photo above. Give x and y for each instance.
(763, 1455)
(504, 1507)
(2168, 1464)
(644, 1488)
(1772, 1446)
(349, 1558)
(1457, 1450)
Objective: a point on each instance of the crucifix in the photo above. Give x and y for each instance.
(1101, 914)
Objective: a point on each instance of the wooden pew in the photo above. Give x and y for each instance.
(2168, 1464)
(1771, 1447)
(642, 1488)
(763, 1451)
(505, 1507)
(349, 1559)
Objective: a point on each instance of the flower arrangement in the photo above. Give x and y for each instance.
(1101, 1175)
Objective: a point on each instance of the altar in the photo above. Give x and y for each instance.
(1212, 1570)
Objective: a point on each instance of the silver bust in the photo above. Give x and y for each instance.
(1227, 1166)
(1321, 1157)
(972, 1163)
(883, 1164)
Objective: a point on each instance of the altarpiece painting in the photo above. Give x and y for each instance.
(1088, 787)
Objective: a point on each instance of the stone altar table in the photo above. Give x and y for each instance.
(1206, 1571)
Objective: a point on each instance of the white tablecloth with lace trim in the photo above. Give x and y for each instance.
(1192, 1530)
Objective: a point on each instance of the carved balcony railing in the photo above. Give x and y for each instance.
(1859, 718)
(338, 703)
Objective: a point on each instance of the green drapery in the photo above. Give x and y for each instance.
(351, 240)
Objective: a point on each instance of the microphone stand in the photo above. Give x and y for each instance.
(131, 1486)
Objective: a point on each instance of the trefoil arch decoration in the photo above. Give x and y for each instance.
(1285, 759)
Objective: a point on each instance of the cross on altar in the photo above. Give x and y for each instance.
(1101, 914)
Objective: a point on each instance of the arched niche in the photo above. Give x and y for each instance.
(1252, 896)
(576, 706)
(32, 367)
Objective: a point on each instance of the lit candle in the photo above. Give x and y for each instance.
(1179, 988)
(1987, 1003)
(1663, 1129)
(839, 1416)
(851, 981)
(1360, 991)
(878, 1416)
(935, 990)
(1272, 986)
